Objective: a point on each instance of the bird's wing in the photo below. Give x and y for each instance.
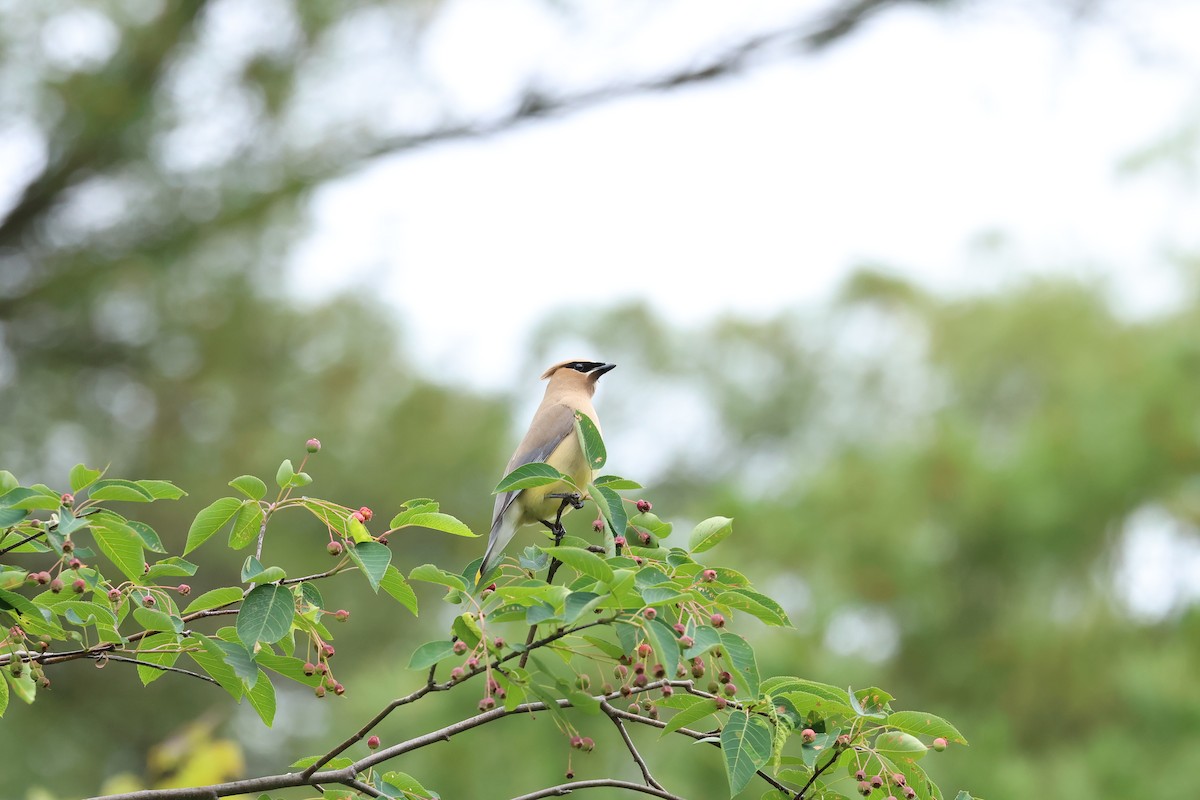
(549, 427)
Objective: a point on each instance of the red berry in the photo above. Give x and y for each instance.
(644, 506)
(577, 742)
(183, 589)
(32, 577)
(639, 668)
(328, 650)
(720, 702)
(338, 689)
(639, 560)
(668, 690)
(334, 548)
(498, 643)
(842, 742)
(717, 620)
(679, 628)
(309, 668)
(589, 744)
(659, 671)
(729, 689)
(79, 586)
(649, 613)
(619, 541)
(319, 691)
(366, 513)
(644, 538)
(43, 577)
(641, 680)
(373, 742)
(358, 515)
(724, 677)
(486, 704)
(341, 615)
(313, 445)
(322, 667)
(686, 641)
(67, 499)
(56, 585)
(808, 736)
(709, 575)
(939, 744)
(644, 649)
(114, 595)
(598, 524)
(74, 563)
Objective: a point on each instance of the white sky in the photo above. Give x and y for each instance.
(905, 144)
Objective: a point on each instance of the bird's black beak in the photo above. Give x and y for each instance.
(600, 370)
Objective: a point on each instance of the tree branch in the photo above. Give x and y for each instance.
(567, 788)
(633, 751)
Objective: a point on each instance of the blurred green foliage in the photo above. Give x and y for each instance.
(945, 489)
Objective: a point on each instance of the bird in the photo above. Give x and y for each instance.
(551, 438)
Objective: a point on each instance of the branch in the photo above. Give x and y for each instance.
(633, 751)
(127, 660)
(22, 541)
(567, 788)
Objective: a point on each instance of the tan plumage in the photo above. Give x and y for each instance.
(551, 438)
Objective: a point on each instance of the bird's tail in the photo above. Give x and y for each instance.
(501, 534)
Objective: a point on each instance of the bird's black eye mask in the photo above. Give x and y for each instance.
(584, 366)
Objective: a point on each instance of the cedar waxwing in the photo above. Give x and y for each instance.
(551, 438)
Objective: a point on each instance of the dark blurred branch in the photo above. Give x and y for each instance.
(568, 788)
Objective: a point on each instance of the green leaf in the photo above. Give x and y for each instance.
(616, 482)
(211, 519)
(899, 745)
(149, 536)
(705, 639)
(170, 567)
(431, 653)
(741, 656)
(590, 441)
(262, 698)
(372, 559)
(82, 477)
(528, 476)
(358, 532)
(214, 599)
(756, 605)
(266, 615)
(23, 687)
(3, 697)
(154, 620)
(246, 525)
(8, 482)
(585, 561)
(665, 642)
(120, 489)
(11, 601)
(30, 499)
(403, 782)
(157, 648)
(394, 584)
(612, 508)
(254, 572)
(334, 763)
(428, 573)
(709, 533)
(211, 659)
(239, 658)
(250, 486)
(285, 473)
(919, 723)
(161, 490)
(434, 520)
(122, 545)
(746, 743)
(579, 603)
(693, 712)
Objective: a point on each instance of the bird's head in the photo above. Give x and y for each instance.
(583, 373)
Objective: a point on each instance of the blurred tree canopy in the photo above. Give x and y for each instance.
(947, 489)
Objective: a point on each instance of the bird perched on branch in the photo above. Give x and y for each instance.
(551, 438)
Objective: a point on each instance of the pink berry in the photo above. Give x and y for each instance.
(717, 620)
(56, 585)
(67, 499)
(619, 541)
(487, 703)
(644, 649)
(598, 524)
(313, 445)
(939, 744)
(341, 615)
(79, 586)
(729, 689)
(649, 613)
(114, 595)
(339, 690)
(358, 515)
(589, 744)
(457, 674)
(334, 548)
(183, 589)
(720, 702)
(373, 742)
(460, 647)
(309, 668)
(808, 736)
(709, 575)
(644, 506)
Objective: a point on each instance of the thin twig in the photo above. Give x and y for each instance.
(633, 751)
(163, 667)
(599, 783)
(817, 773)
(558, 531)
(28, 538)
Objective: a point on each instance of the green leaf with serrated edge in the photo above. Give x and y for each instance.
(170, 567)
(310, 594)
(914, 776)
(250, 486)
(705, 638)
(702, 708)
(161, 490)
(149, 536)
(122, 546)
(898, 745)
(579, 603)
(628, 635)
(394, 584)
(582, 560)
(612, 508)
(214, 599)
(652, 524)
(261, 697)
(616, 483)
(211, 659)
(157, 648)
(211, 519)
(659, 595)
(919, 723)
(372, 559)
(287, 666)
(428, 573)
(3, 697)
(247, 524)
(590, 441)
(431, 653)
(284, 474)
(154, 620)
(119, 489)
(786, 683)
(806, 704)
(709, 533)
(756, 605)
(665, 642)
(540, 612)
(358, 531)
(746, 744)
(741, 658)
(11, 601)
(466, 629)
(334, 517)
(529, 476)
(254, 572)
(436, 521)
(10, 517)
(403, 782)
(82, 477)
(24, 686)
(266, 615)
(604, 646)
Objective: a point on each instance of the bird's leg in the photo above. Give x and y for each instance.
(575, 500)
